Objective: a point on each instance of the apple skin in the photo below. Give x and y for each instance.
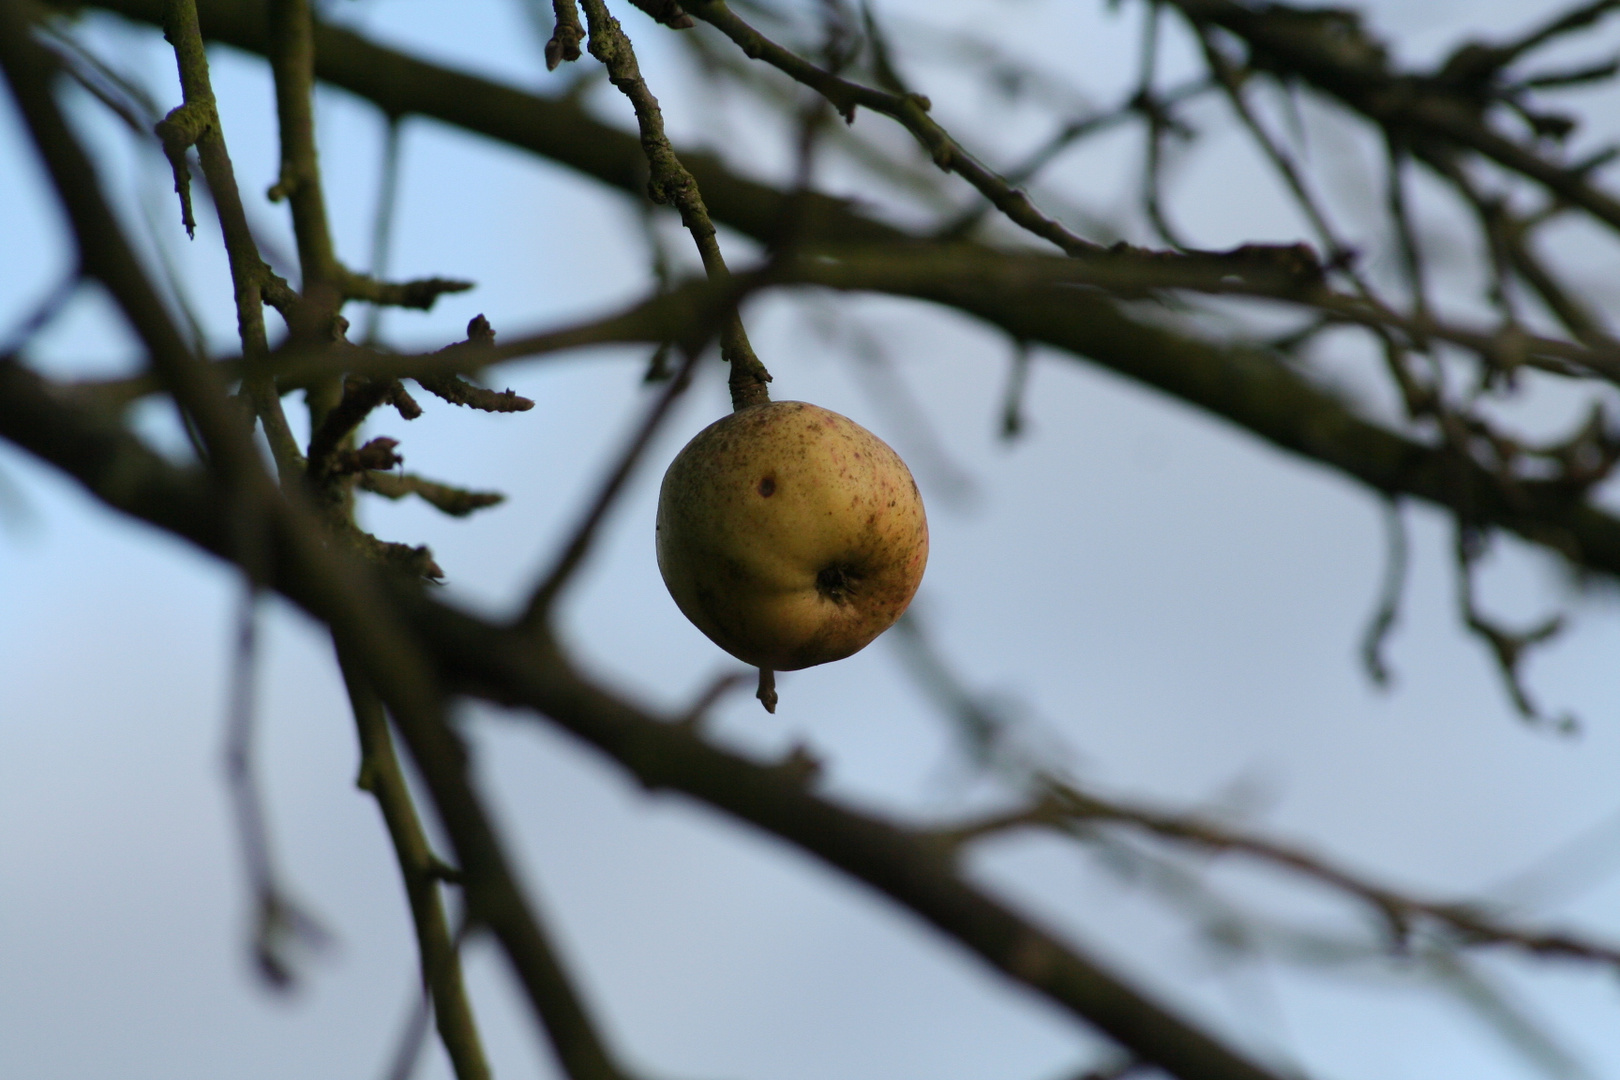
(790, 535)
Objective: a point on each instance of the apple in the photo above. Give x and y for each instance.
(790, 535)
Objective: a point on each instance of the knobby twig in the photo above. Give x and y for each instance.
(457, 502)
(458, 391)
(565, 39)
(911, 110)
(421, 294)
(670, 182)
(196, 122)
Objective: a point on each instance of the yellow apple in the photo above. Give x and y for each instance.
(790, 535)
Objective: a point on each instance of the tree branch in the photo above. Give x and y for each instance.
(287, 551)
(380, 774)
(291, 51)
(911, 110)
(521, 669)
(1066, 807)
(670, 182)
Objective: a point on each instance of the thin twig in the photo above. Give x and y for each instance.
(448, 499)
(280, 925)
(1508, 647)
(292, 62)
(1389, 596)
(911, 110)
(43, 314)
(1062, 805)
(382, 222)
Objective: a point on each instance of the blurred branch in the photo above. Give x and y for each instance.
(1389, 596)
(1508, 647)
(528, 670)
(1482, 61)
(1330, 51)
(43, 314)
(382, 221)
(1055, 300)
(1237, 934)
(572, 554)
(381, 775)
(280, 924)
(1063, 806)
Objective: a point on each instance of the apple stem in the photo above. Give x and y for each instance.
(748, 374)
(767, 689)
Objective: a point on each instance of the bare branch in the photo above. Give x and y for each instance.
(380, 774)
(1508, 647)
(292, 61)
(1063, 806)
(911, 110)
(281, 925)
(196, 121)
(528, 670)
(671, 182)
